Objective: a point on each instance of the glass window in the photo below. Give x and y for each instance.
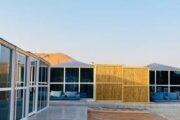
(175, 77)
(152, 89)
(42, 98)
(162, 77)
(32, 96)
(46, 96)
(56, 87)
(5, 67)
(43, 95)
(161, 88)
(43, 75)
(40, 75)
(46, 77)
(87, 75)
(72, 74)
(175, 89)
(86, 91)
(43, 72)
(43, 64)
(33, 69)
(57, 75)
(4, 105)
(21, 71)
(72, 87)
(152, 77)
(20, 104)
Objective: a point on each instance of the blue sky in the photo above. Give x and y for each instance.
(131, 32)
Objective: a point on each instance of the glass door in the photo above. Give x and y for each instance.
(20, 87)
(20, 104)
(32, 100)
(32, 87)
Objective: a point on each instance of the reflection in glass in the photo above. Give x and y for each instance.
(72, 87)
(56, 87)
(162, 77)
(43, 75)
(4, 105)
(175, 77)
(5, 67)
(175, 89)
(161, 88)
(42, 97)
(86, 91)
(20, 104)
(152, 77)
(33, 68)
(86, 74)
(152, 89)
(43, 64)
(72, 74)
(45, 97)
(57, 75)
(32, 96)
(21, 70)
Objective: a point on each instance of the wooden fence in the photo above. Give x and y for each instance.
(108, 82)
(118, 83)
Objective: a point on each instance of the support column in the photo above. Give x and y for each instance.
(155, 75)
(48, 99)
(37, 80)
(169, 77)
(13, 75)
(79, 80)
(27, 85)
(64, 80)
(94, 82)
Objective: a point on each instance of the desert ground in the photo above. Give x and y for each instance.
(121, 115)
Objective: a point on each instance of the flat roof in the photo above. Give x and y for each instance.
(73, 63)
(21, 51)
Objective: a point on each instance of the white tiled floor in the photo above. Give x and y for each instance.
(70, 110)
(62, 113)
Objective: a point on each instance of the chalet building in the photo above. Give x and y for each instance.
(28, 81)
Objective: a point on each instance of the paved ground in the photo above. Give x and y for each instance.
(62, 113)
(77, 110)
(169, 113)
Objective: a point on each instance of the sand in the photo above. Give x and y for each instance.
(121, 115)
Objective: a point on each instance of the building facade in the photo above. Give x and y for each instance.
(76, 80)
(72, 77)
(28, 81)
(24, 82)
(164, 83)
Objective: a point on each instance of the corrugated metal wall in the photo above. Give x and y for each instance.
(127, 84)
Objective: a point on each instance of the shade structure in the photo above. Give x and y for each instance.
(161, 67)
